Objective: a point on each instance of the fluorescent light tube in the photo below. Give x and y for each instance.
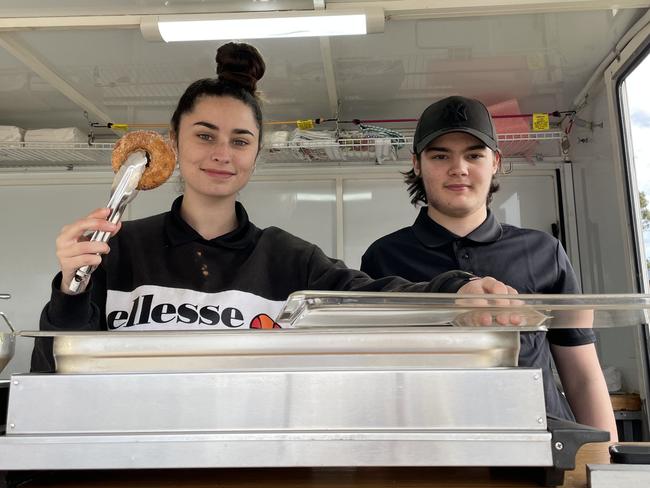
(259, 25)
(207, 30)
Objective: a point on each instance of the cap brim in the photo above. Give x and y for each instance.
(484, 138)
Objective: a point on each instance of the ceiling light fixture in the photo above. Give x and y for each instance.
(261, 25)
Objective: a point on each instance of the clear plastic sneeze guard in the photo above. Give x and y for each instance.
(324, 330)
(528, 312)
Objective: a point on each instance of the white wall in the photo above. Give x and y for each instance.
(36, 206)
(527, 198)
(600, 202)
(604, 231)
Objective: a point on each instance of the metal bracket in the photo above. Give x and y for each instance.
(567, 438)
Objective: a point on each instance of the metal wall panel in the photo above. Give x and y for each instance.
(419, 400)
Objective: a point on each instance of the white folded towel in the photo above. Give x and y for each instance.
(10, 133)
(65, 134)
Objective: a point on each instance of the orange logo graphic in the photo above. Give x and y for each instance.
(263, 321)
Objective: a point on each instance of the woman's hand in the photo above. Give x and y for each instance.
(74, 248)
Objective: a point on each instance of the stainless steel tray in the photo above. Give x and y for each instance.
(245, 350)
(7, 341)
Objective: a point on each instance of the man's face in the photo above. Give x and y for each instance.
(457, 170)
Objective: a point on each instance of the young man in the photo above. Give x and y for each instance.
(455, 159)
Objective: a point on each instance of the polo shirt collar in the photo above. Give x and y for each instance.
(431, 234)
(179, 232)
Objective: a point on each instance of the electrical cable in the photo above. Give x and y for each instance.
(310, 123)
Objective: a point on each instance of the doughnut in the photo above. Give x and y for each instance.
(161, 156)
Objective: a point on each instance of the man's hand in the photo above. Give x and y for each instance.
(482, 286)
(479, 286)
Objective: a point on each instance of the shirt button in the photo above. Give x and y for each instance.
(466, 256)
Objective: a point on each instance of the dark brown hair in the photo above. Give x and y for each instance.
(239, 67)
(418, 193)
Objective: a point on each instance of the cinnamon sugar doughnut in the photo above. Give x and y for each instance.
(161, 155)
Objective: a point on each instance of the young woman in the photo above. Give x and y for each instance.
(203, 264)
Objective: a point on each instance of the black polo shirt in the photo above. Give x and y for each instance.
(530, 261)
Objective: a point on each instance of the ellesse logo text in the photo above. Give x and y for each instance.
(145, 312)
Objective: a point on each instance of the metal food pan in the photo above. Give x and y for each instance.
(7, 341)
(279, 349)
(7, 346)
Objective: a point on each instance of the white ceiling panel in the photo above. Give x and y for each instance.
(541, 60)
(136, 81)
(535, 58)
(29, 8)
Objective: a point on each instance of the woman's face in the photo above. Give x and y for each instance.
(217, 145)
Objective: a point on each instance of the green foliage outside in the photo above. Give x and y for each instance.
(645, 212)
(645, 218)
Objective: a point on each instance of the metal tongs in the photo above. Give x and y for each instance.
(123, 190)
(6, 296)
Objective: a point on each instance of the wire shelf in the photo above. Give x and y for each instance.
(529, 145)
(20, 154)
(534, 145)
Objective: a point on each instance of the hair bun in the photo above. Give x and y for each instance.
(241, 64)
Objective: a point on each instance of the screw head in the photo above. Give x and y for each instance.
(540, 420)
(559, 446)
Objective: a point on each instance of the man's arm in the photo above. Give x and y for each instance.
(575, 356)
(585, 387)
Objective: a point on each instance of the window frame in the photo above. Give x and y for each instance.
(623, 156)
(629, 57)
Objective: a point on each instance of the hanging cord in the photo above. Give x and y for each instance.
(376, 121)
(91, 131)
(310, 123)
(566, 123)
(556, 113)
(397, 139)
(569, 126)
(302, 122)
(125, 127)
(337, 130)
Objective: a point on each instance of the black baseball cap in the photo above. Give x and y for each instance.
(455, 114)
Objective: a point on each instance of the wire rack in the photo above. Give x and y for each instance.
(20, 154)
(531, 146)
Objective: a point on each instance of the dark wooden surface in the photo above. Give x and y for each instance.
(322, 477)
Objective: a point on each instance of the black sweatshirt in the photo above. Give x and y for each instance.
(162, 275)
